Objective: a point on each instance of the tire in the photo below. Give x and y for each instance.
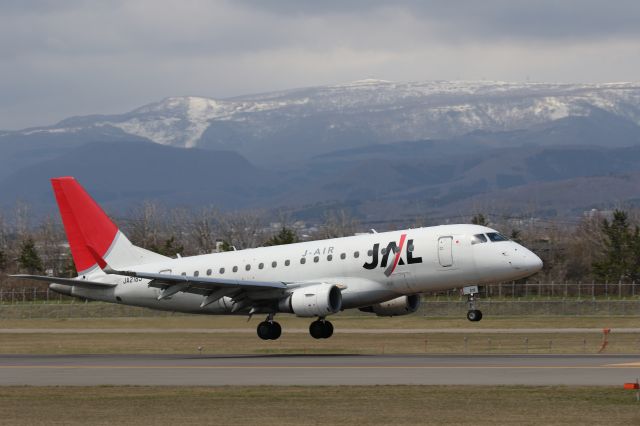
(316, 329)
(327, 330)
(479, 315)
(264, 330)
(473, 316)
(274, 331)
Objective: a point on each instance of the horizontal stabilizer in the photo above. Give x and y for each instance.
(65, 281)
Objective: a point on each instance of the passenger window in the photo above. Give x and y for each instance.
(221, 271)
(316, 259)
(274, 264)
(496, 236)
(370, 253)
(356, 254)
(209, 271)
(287, 262)
(343, 256)
(196, 273)
(184, 274)
(383, 251)
(330, 257)
(303, 261)
(478, 239)
(261, 265)
(247, 268)
(410, 247)
(235, 269)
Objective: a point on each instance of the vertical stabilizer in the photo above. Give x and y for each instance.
(90, 231)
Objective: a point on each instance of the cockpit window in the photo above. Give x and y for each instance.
(478, 238)
(496, 236)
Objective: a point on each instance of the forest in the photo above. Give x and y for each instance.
(598, 247)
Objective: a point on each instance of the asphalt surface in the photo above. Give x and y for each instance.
(251, 330)
(318, 370)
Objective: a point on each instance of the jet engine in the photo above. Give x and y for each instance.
(402, 305)
(317, 300)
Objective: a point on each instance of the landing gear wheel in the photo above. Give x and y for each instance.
(321, 329)
(264, 330)
(269, 330)
(328, 329)
(474, 315)
(316, 329)
(275, 331)
(472, 292)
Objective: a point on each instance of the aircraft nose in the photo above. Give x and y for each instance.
(533, 262)
(526, 260)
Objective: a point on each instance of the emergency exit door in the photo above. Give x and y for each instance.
(445, 256)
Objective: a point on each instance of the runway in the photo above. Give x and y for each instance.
(315, 370)
(306, 330)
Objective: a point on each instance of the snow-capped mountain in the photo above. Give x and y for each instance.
(305, 122)
(377, 148)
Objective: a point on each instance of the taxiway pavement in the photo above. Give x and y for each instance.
(315, 370)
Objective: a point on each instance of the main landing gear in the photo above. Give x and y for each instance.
(471, 292)
(269, 329)
(321, 329)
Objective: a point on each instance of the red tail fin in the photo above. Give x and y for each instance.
(86, 224)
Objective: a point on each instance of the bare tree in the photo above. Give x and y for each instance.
(338, 224)
(203, 230)
(3, 244)
(145, 225)
(242, 230)
(22, 213)
(177, 224)
(50, 239)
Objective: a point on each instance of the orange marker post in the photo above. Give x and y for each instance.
(634, 386)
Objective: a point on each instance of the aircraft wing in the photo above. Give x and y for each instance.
(162, 280)
(243, 293)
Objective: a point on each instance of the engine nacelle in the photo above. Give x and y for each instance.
(402, 305)
(313, 301)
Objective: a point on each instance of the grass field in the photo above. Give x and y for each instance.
(339, 321)
(184, 335)
(299, 343)
(345, 405)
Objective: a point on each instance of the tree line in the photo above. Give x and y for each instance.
(598, 248)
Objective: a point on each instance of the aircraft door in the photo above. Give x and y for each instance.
(445, 256)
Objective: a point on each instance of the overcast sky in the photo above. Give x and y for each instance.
(70, 57)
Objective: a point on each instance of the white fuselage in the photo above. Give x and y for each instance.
(426, 259)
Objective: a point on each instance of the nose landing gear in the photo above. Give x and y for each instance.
(471, 292)
(321, 329)
(474, 315)
(269, 329)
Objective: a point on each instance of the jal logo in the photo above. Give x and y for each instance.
(397, 259)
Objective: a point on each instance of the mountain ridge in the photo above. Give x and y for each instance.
(368, 147)
(306, 122)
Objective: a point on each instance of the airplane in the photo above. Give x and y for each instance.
(382, 273)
